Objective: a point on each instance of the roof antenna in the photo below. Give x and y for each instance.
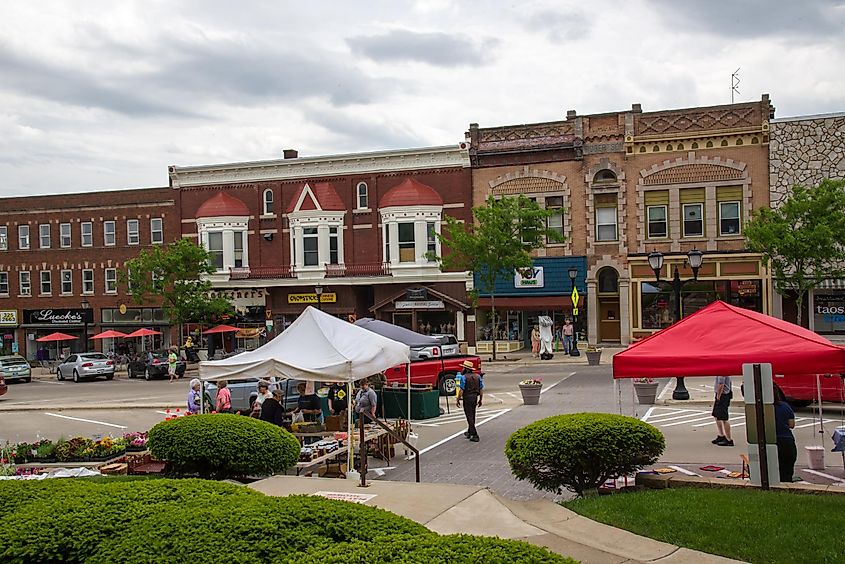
(734, 83)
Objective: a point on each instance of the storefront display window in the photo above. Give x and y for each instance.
(658, 301)
(658, 304)
(829, 313)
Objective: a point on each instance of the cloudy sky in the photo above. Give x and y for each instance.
(104, 95)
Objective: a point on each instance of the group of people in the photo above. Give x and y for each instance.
(565, 334)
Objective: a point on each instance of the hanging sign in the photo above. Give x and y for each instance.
(531, 277)
(421, 304)
(9, 317)
(325, 298)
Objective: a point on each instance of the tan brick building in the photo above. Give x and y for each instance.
(632, 183)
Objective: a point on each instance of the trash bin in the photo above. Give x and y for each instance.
(815, 457)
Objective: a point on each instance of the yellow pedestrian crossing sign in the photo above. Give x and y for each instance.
(575, 299)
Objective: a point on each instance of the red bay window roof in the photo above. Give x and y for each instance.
(411, 193)
(322, 192)
(223, 205)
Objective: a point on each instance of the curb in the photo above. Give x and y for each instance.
(99, 406)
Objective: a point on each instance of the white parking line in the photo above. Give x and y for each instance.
(684, 471)
(813, 423)
(461, 433)
(544, 390)
(731, 421)
(657, 419)
(821, 474)
(86, 420)
(456, 417)
(687, 421)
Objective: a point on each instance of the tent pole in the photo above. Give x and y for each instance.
(408, 375)
(348, 426)
(821, 413)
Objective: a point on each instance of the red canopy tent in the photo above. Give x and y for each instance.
(719, 339)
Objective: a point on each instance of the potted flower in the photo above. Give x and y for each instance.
(646, 389)
(593, 355)
(531, 390)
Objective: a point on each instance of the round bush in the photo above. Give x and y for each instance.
(579, 452)
(219, 445)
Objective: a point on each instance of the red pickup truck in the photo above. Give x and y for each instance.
(800, 389)
(438, 372)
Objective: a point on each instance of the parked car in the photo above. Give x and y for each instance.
(450, 346)
(437, 372)
(244, 392)
(3, 387)
(86, 365)
(15, 367)
(153, 364)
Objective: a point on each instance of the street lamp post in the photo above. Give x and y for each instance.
(655, 261)
(85, 306)
(573, 274)
(318, 290)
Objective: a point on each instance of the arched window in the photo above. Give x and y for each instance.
(268, 201)
(362, 196)
(608, 281)
(604, 176)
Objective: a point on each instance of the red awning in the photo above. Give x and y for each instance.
(221, 329)
(719, 339)
(528, 302)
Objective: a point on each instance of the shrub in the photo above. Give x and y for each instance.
(581, 451)
(221, 445)
(191, 520)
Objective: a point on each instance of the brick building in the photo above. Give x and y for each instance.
(355, 226)
(629, 183)
(59, 262)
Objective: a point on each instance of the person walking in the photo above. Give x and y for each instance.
(784, 423)
(535, 341)
(568, 335)
(471, 391)
(224, 397)
(366, 399)
(721, 407)
(172, 362)
(194, 396)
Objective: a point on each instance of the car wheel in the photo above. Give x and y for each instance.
(447, 385)
(147, 376)
(28, 380)
(798, 403)
(110, 376)
(75, 376)
(59, 374)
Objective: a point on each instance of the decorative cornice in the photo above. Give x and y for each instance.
(331, 165)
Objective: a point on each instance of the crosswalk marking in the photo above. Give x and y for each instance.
(458, 416)
(708, 416)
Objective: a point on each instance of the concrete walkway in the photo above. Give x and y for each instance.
(452, 508)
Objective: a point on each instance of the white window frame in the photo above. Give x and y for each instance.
(665, 221)
(65, 237)
(322, 222)
(684, 207)
(267, 202)
(4, 238)
(133, 237)
(239, 241)
(154, 230)
(69, 281)
(334, 239)
(362, 196)
(89, 236)
(106, 225)
(420, 217)
(110, 278)
(25, 287)
(615, 224)
(220, 265)
(558, 216)
(23, 237)
(311, 234)
(44, 239)
(42, 281)
(88, 281)
(4, 284)
(738, 218)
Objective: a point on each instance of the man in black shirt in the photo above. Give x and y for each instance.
(308, 404)
(337, 398)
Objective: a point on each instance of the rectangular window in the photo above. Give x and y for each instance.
(86, 229)
(407, 246)
(334, 256)
(46, 282)
(239, 248)
(363, 199)
(215, 247)
(555, 222)
(386, 243)
(67, 282)
(133, 235)
(729, 218)
(109, 236)
(25, 283)
(23, 237)
(693, 220)
(64, 235)
(156, 231)
(657, 226)
(111, 281)
(4, 238)
(87, 281)
(44, 236)
(4, 283)
(310, 246)
(430, 239)
(606, 221)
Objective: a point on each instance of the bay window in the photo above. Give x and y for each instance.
(407, 245)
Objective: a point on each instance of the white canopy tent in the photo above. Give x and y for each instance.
(316, 347)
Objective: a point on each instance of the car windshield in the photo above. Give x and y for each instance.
(12, 361)
(93, 356)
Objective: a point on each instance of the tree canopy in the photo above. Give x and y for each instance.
(804, 238)
(175, 274)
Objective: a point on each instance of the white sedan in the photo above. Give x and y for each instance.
(86, 365)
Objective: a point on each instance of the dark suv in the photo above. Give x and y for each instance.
(152, 364)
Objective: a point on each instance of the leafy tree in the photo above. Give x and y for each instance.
(804, 238)
(175, 274)
(500, 241)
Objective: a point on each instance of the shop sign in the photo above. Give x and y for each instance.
(8, 317)
(326, 298)
(747, 288)
(531, 277)
(242, 298)
(419, 304)
(59, 316)
(829, 304)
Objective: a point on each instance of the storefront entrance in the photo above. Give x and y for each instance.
(609, 313)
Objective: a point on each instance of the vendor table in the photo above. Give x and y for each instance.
(370, 436)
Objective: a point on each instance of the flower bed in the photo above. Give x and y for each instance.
(77, 449)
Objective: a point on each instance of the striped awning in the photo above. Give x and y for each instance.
(838, 284)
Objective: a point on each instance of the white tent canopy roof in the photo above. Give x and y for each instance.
(316, 347)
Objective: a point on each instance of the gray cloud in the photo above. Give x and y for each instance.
(435, 48)
(352, 132)
(559, 27)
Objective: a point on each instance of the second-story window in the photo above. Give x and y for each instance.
(109, 236)
(23, 237)
(239, 248)
(87, 281)
(25, 283)
(363, 200)
(407, 245)
(268, 201)
(44, 236)
(693, 220)
(215, 248)
(430, 240)
(657, 226)
(334, 257)
(156, 231)
(310, 246)
(555, 222)
(4, 238)
(86, 231)
(133, 235)
(4, 283)
(606, 217)
(730, 209)
(111, 281)
(46, 282)
(67, 282)
(64, 235)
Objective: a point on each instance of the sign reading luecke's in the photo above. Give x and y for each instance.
(58, 316)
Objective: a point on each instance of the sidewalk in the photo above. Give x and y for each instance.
(451, 508)
(525, 357)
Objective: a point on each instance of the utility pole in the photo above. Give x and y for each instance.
(734, 84)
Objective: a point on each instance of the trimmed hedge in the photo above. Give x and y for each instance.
(579, 452)
(163, 520)
(220, 445)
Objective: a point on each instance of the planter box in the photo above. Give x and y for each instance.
(530, 394)
(593, 358)
(646, 393)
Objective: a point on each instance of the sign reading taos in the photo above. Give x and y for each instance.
(531, 277)
(327, 298)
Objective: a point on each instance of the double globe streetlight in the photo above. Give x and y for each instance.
(694, 259)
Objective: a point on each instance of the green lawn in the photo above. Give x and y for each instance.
(747, 525)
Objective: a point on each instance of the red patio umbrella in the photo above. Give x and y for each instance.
(55, 337)
(110, 334)
(143, 333)
(222, 329)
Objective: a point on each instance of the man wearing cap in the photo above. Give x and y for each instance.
(470, 390)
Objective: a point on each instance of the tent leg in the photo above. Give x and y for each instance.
(408, 376)
(349, 429)
(821, 413)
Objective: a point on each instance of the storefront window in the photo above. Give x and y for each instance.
(658, 304)
(829, 312)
